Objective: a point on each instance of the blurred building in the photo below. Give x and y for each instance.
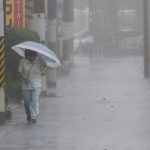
(116, 26)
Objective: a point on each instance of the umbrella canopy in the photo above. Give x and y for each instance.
(44, 52)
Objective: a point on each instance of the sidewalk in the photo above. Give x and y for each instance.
(102, 105)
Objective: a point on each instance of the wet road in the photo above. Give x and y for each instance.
(102, 105)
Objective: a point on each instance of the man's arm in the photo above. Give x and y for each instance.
(22, 73)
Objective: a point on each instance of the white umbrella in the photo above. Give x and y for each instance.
(45, 53)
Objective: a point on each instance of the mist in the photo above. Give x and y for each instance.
(93, 73)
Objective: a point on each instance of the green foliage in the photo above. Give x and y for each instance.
(15, 36)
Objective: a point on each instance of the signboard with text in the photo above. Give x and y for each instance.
(15, 13)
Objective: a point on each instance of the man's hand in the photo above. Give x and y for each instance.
(26, 81)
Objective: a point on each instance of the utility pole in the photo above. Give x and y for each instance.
(91, 7)
(68, 33)
(146, 38)
(51, 24)
(59, 29)
(51, 31)
(2, 62)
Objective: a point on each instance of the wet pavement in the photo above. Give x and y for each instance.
(103, 104)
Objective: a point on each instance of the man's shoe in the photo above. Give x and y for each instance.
(29, 119)
(34, 121)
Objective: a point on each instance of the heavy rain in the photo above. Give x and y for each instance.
(88, 60)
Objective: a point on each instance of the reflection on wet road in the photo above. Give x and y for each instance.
(101, 105)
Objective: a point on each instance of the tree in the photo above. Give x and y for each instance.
(15, 36)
